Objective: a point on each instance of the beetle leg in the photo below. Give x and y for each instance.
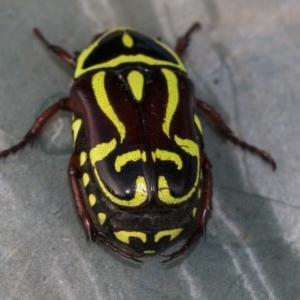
(227, 133)
(91, 231)
(183, 41)
(74, 175)
(60, 52)
(204, 209)
(129, 255)
(62, 104)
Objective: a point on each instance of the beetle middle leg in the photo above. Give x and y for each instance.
(62, 104)
(203, 211)
(228, 134)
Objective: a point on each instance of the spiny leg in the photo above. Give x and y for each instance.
(59, 51)
(129, 255)
(204, 209)
(74, 175)
(227, 133)
(183, 41)
(62, 104)
(91, 231)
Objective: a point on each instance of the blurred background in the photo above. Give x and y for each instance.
(244, 62)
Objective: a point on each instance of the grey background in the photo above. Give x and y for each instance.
(245, 62)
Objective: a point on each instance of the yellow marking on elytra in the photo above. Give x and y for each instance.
(124, 236)
(149, 251)
(136, 83)
(173, 233)
(101, 151)
(173, 99)
(165, 155)
(164, 194)
(82, 158)
(188, 146)
(198, 123)
(153, 155)
(101, 218)
(138, 199)
(194, 212)
(139, 58)
(85, 179)
(199, 193)
(131, 156)
(127, 40)
(92, 199)
(98, 85)
(144, 156)
(76, 125)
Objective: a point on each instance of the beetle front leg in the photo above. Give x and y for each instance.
(204, 209)
(62, 104)
(228, 134)
(183, 41)
(59, 51)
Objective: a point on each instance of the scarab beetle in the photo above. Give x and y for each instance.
(139, 173)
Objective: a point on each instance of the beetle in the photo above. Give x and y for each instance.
(139, 173)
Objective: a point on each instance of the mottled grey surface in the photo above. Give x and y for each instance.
(245, 62)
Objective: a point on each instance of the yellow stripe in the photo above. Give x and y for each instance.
(92, 200)
(164, 194)
(179, 64)
(136, 83)
(194, 212)
(101, 151)
(173, 99)
(165, 155)
(187, 146)
(85, 179)
(127, 40)
(139, 198)
(198, 123)
(149, 251)
(76, 125)
(101, 218)
(104, 104)
(124, 236)
(82, 158)
(124, 58)
(131, 156)
(199, 192)
(173, 233)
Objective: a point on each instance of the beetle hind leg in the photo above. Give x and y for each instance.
(74, 175)
(204, 209)
(129, 255)
(227, 133)
(92, 233)
(62, 104)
